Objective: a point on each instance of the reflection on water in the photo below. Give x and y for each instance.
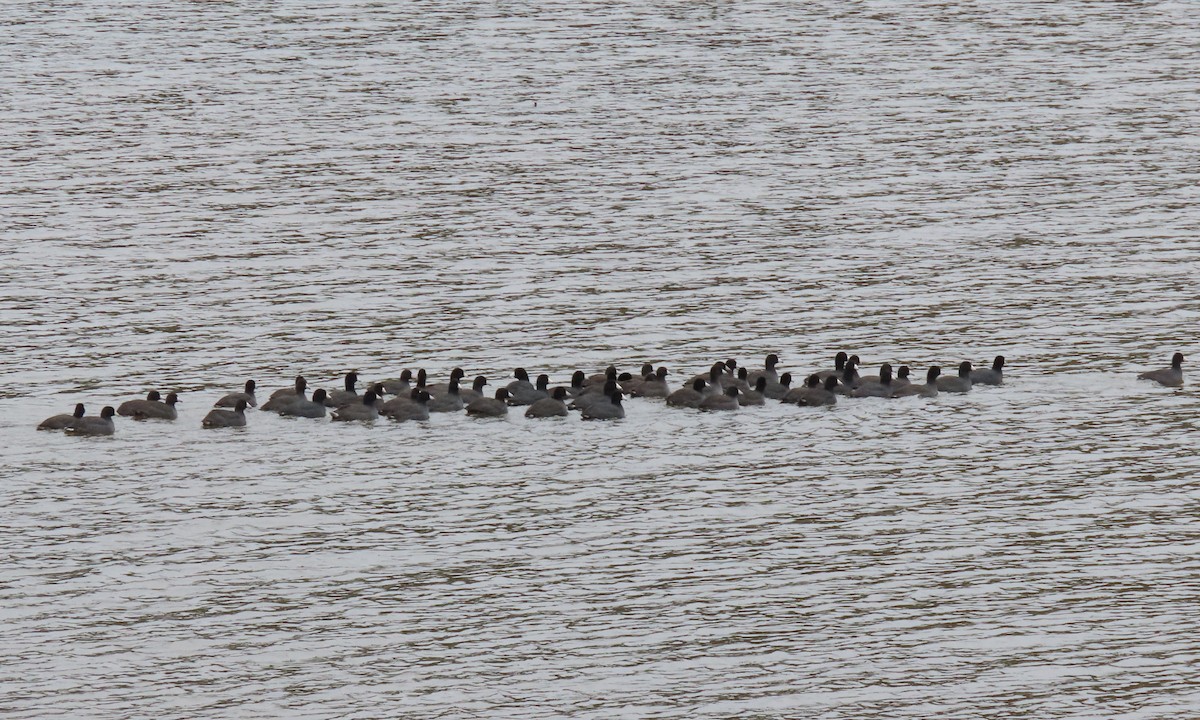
(198, 194)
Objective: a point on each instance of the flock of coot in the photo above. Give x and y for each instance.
(724, 387)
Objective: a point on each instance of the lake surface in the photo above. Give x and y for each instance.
(199, 193)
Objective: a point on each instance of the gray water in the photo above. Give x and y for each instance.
(199, 193)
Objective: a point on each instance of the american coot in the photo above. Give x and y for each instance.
(152, 409)
(553, 406)
(768, 370)
(442, 388)
(727, 400)
(633, 386)
(490, 407)
(345, 396)
(849, 379)
(960, 384)
(601, 410)
(688, 396)
(903, 377)
(297, 390)
(820, 395)
(231, 400)
(63, 421)
(448, 401)
(776, 391)
(102, 425)
(990, 376)
(416, 407)
(365, 410)
(1171, 377)
(929, 389)
(475, 391)
(839, 364)
(655, 385)
(755, 396)
(526, 394)
(609, 373)
(218, 417)
(882, 387)
(400, 385)
(302, 407)
(796, 394)
(127, 408)
(587, 399)
(578, 384)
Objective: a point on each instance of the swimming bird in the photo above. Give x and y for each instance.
(768, 370)
(346, 396)
(794, 395)
(755, 396)
(929, 389)
(127, 408)
(776, 391)
(588, 399)
(609, 373)
(448, 401)
(849, 379)
(688, 396)
(960, 384)
(473, 392)
(231, 400)
(553, 406)
(1171, 377)
(417, 407)
(878, 388)
(611, 410)
(62, 421)
(102, 425)
(219, 417)
(442, 388)
(289, 393)
(490, 407)
(152, 409)
(400, 385)
(654, 385)
(819, 395)
(727, 400)
(526, 394)
(301, 406)
(578, 384)
(990, 376)
(839, 364)
(365, 410)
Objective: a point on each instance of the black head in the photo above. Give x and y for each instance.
(172, 398)
(830, 383)
(839, 361)
(406, 376)
(624, 377)
(422, 397)
(378, 389)
(107, 412)
(369, 398)
(647, 369)
(998, 363)
(772, 361)
(520, 374)
(964, 369)
(240, 407)
(502, 394)
(885, 374)
(319, 395)
(731, 364)
(853, 360)
(760, 384)
(1177, 360)
(662, 373)
(79, 410)
(785, 379)
(453, 388)
(610, 387)
(543, 381)
(932, 374)
(743, 373)
(731, 391)
(559, 393)
(577, 378)
(250, 385)
(903, 372)
(415, 393)
(351, 380)
(153, 396)
(814, 380)
(480, 381)
(698, 385)
(301, 384)
(611, 373)
(715, 372)
(422, 377)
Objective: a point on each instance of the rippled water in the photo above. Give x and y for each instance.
(197, 193)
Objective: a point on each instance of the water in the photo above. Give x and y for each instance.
(198, 193)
